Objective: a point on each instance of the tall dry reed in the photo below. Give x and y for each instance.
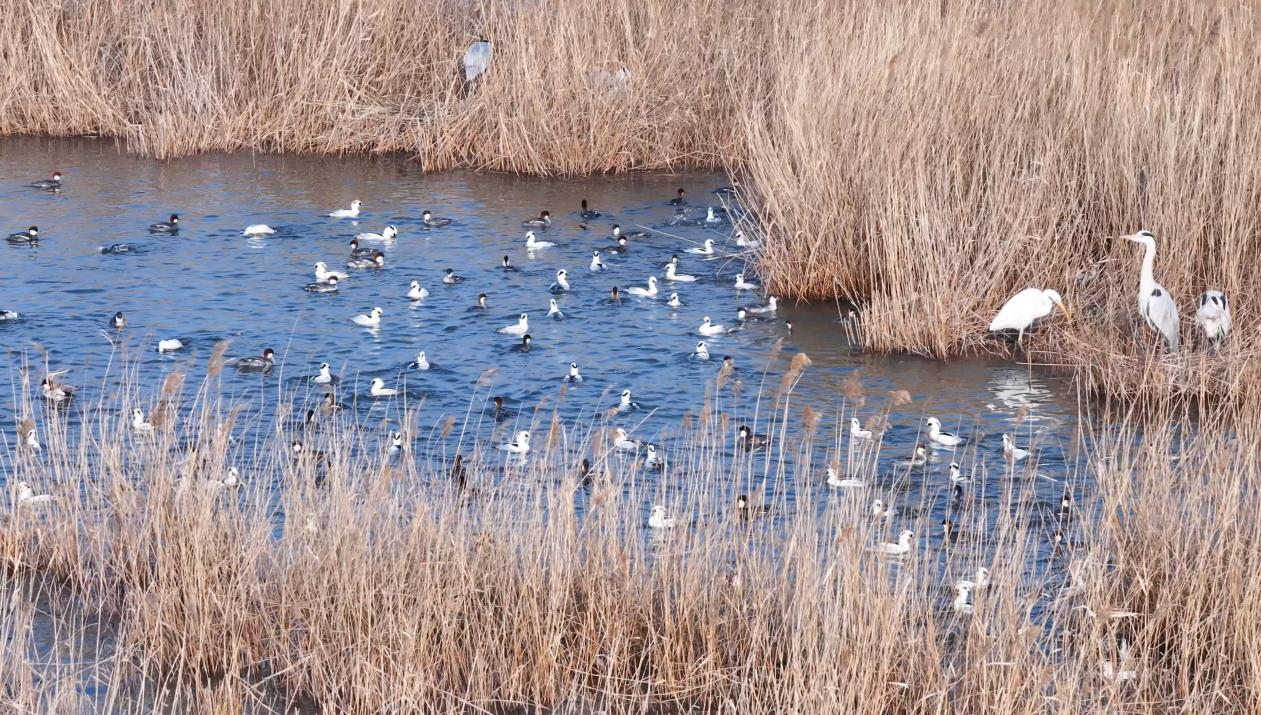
(929, 161)
(357, 581)
(924, 161)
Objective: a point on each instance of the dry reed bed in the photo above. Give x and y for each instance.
(924, 161)
(390, 589)
(950, 157)
(381, 75)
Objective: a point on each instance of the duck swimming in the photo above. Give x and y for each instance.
(521, 327)
(836, 481)
(416, 292)
(674, 301)
(742, 284)
(856, 430)
(622, 441)
(705, 250)
(1011, 451)
(379, 389)
(701, 352)
(649, 292)
(140, 423)
(51, 184)
(506, 264)
(258, 229)
(371, 320)
(322, 273)
(431, 221)
(707, 328)
(421, 363)
(170, 345)
(937, 437)
(658, 518)
(543, 220)
(901, 548)
(357, 252)
(451, 278)
(626, 404)
(524, 345)
(679, 199)
(56, 392)
(376, 260)
(574, 375)
(520, 443)
(532, 242)
(326, 286)
(169, 226)
(596, 264)
(772, 304)
(387, 235)
(352, 212)
(553, 310)
(325, 375)
(562, 282)
(587, 214)
(672, 274)
(620, 249)
(258, 363)
(115, 249)
(747, 439)
(29, 237)
(653, 460)
(481, 302)
(9, 314)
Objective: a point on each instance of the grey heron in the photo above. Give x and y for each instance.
(1154, 302)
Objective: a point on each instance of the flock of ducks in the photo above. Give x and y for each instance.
(1018, 314)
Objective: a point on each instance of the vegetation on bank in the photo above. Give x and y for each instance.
(355, 580)
(922, 161)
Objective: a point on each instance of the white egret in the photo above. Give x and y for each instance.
(1214, 316)
(1154, 302)
(1023, 309)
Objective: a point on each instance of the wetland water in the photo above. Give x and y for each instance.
(210, 283)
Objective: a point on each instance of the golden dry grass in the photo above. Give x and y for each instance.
(923, 161)
(930, 161)
(386, 588)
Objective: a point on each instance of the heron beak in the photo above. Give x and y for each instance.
(1068, 315)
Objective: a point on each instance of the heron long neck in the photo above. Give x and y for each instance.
(1146, 279)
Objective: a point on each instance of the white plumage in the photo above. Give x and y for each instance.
(1154, 302)
(1026, 307)
(477, 59)
(1214, 315)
